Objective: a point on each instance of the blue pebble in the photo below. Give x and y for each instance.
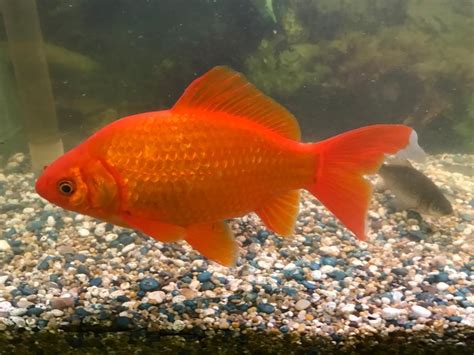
(190, 304)
(466, 217)
(27, 290)
(265, 308)
(329, 260)
(143, 306)
(428, 297)
(284, 253)
(204, 276)
(54, 278)
(442, 276)
(223, 280)
(263, 235)
(250, 256)
(53, 235)
(34, 311)
(416, 235)
(243, 307)
(96, 281)
(144, 250)
(471, 203)
(208, 285)
(122, 322)
(284, 329)
(454, 319)
(34, 226)
(15, 292)
(44, 264)
(179, 307)
(104, 315)
(314, 266)
(41, 323)
(10, 232)
(80, 257)
(337, 275)
(251, 296)
(290, 291)
(124, 238)
(309, 285)
(400, 271)
(122, 298)
(149, 284)
(82, 269)
(230, 308)
(81, 312)
(186, 279)
(466, 303)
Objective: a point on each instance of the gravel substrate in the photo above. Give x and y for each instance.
(414, 275)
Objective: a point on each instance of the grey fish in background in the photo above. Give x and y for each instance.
(414, 190)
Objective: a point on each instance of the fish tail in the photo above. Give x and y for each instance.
(344, 160)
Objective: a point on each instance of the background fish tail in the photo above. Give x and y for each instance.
(342, 162)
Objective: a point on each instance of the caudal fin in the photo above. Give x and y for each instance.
(343, 161)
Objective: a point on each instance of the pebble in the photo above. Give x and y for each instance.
(149, 284)
(412, 274)
(302, 304)
(4, 246)
(156, 296)
(83, 232)
(265, 308)
(390, 313)
(419, 311)
(99, 230)
(442, 286)
(329, 250)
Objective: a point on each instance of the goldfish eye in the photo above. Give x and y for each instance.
(66, 187)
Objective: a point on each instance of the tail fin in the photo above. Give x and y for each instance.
(343, 161)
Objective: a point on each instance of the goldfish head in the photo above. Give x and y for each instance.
(79, 183)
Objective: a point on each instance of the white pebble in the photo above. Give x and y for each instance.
(156, 296)
(442, 286)
(3, 279)
(28, 210)
(329, 250)
(326, 269)
(302, 304)
(419, 311)
(128, 248)
(329, 307)
(317, 275)
(57, 312)
(348, 308)
(4, 246)
(99, 231)
(5, 307)
(390, 313)
(83, 232)
(50, 221)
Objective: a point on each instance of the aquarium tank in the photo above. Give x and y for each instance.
(204, 224)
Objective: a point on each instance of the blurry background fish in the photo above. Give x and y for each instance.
(412, 189)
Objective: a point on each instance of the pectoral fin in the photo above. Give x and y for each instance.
(162, 232)
(215, 241)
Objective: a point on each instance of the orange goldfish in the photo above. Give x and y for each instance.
(222, 151)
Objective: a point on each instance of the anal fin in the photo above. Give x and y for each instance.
(215, 241)
(162, 232)
(279, 214)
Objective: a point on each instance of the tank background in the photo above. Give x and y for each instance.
(336, 65)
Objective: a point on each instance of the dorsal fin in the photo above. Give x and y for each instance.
(223, 90)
